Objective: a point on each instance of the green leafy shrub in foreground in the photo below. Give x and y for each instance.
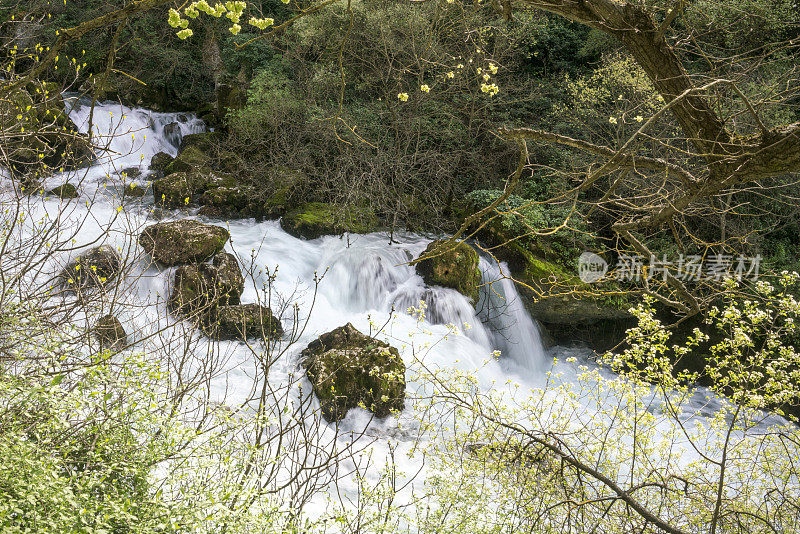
(78, 459)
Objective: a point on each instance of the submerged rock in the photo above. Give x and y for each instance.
(94, 268)
(64, 191)
(110, 333)
(316, 219)
(347, 368)
(450, 264)
(244, 321)
(184, 241)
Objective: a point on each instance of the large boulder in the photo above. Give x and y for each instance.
(110, 333)
(189, 160)
(177, 189)
(94, 268)
(199, 288)
(244, 321)
(228, 276)
(347, 369)
(184, 241)
(206, 142)
(228, 200)
(316, 219)
(449, 264)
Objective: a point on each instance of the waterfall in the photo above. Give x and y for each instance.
(367, 281)
(513, 331)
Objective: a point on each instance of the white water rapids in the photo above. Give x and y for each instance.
(367, 280)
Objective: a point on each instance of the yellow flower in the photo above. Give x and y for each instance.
(425, 89)
(451, 74)
(638, 118)
(402, 96)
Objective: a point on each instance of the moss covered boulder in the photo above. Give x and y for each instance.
(244, 321)
(179, 189)
(189, 160)
(205, 142)
(450, 264)
(110, 333)
(94, 268)
(184, 241)
(38, 135)
(160, 162)
(348, 369)
(64, 191)
(229, 200)
(316, 219)
(199, 288)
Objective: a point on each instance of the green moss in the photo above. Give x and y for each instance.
(193, 158)
(537, 268)
(453, 265)
(316, 219)
(348, 369)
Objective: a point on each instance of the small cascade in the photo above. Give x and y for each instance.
(513, 330)
(131, 136)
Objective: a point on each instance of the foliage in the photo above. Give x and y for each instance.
(80, 458)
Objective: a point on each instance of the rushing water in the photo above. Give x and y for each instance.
(367, 279)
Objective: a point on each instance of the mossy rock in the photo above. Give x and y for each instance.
(317, 219)
(96, 267)
(179, 189)
(64, 191)
(56, 144)
(182, 242)
(450, 264)
(244, 321)
(110, 333)
(199, 288)
(160, 162)
(205, 142)
(191, 159)
(348, 369)
(288, 186)
(233, 199)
